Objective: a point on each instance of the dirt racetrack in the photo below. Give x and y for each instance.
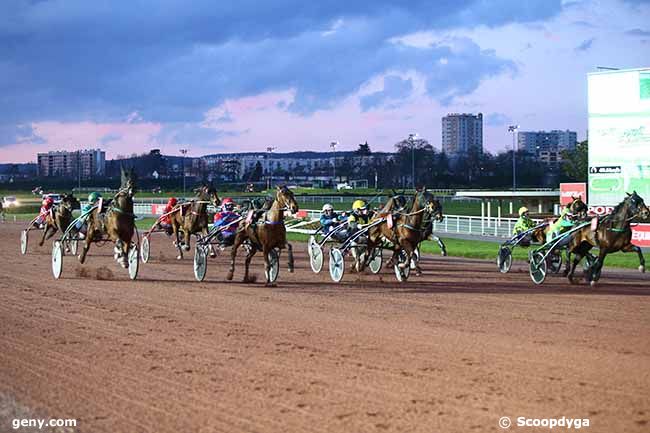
(451, 351)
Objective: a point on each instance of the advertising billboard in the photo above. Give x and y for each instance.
(619, 139)
(619, 135)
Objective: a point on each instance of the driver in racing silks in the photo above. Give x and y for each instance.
(226, 219)
(165, 222)
(359, 217)
(563, 224)
(46, 208)
(80, 226)
(523, 224)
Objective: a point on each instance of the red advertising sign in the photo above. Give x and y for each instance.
(641, 235)
(570, 190)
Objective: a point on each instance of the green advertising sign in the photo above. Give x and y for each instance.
(619, 135)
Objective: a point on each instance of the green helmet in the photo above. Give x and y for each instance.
(94, 196)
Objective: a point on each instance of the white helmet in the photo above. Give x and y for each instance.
(327, 206)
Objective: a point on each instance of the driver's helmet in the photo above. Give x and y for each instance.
(228, 204)
(93, 197)
(523, 210)
(359, 205)
(48, 202)
(327, 207)
(172, 201)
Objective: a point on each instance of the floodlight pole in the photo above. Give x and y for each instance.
(412, 138)
(513, 129)
(333, 145)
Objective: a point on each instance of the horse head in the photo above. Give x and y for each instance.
(128, 178)
(70, 202)
(578, 207)
(636, 206)
(286, 199)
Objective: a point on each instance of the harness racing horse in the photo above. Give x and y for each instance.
(428, 227)
(192, 217)
(266, 234)
(578, 210)
(114, 221)
(612, 234)
(407, 232)
(60, 217)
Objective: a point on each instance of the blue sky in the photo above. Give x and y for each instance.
(241, 76)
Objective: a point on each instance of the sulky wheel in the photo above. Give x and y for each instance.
(145, 249)
(337, 264)
(57, 259)
(274, 266)
(504, 260)
(23, 242)
(133, 257)
(402, 269)
(537, 268)
(376, 260)
(200, 262)
(315, 255)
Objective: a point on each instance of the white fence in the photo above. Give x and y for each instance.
(458, 224)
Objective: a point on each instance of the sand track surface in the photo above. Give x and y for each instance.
(451, 351)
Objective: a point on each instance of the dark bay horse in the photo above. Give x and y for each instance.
(266, 234)
(407, 230)
(60, 217)
(115, 220)
(192, 217)
(612, 234)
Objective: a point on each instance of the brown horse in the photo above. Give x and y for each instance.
(408, 230)
(60, 217)
(115, 220)
(266, 234)
(612, 234)
(192, 217)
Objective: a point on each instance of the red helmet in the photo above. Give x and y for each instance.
(172, 201)
(227, 200)
(48, 201)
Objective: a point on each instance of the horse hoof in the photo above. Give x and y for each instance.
(179, 257)
(229, 276)
(291, 270)
(592, 283)
(213, 255)
(642, 269)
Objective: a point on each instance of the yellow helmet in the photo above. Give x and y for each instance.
(523, 210)
(359, 204)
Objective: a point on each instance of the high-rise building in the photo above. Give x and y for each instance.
(462, 132)
(86, 163)
(547, 142)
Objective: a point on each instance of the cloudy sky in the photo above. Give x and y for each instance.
(217, 76)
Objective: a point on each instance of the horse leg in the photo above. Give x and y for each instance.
(441, 244)
(177, 244)
(573, 266)
(47, 228)
(124, 254)
(598, 267)
(213, 253)
(633, 248)
(186, 239)
(267, 266)
(90, 234)
(233, 256)
(247, 263)
(568, 261)
(290, 257)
